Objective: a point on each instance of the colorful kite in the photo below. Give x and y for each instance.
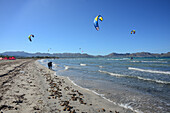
(133, 31)
(96, 25)
(30, 37)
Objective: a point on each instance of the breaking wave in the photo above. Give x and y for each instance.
(150, 61)
(67, 67)
(136, 77)
(120, 59)
(150, 71)
(83, 64)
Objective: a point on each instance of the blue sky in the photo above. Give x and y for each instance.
(67, 25)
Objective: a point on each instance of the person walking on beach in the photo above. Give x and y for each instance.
(50, 65)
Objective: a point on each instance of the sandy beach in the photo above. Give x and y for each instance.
(28, 87)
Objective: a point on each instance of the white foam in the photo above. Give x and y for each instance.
(137, 77)
(120, 59)
(150, 71)
(113, 74)
(155, 61)
(126, 59)
(135, 61)
(157, 81)
(43, 61)
(100, 66)
(149, 61)
(66, 67)
(102, 95)
(83, 64)
(114, 59)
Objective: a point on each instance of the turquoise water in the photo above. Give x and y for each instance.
(141, 84)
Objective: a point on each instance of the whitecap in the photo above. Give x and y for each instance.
(100, 66)
(150, 71)
(83, 64)
(137, 77)
(66, 67)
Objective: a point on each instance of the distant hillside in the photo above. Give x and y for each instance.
(78, 55)
(17, 53)
(140, 54)
(61, 55)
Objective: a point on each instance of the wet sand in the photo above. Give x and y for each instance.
(28, 87)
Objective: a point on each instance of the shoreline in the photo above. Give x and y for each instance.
(35, 88)
(102, 96)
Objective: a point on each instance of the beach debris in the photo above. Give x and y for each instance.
(64, 109)
(1, 98)
(18, 101)
(74, 98)
(5, 107)
(80, 94)
(36, 108)
(116, 112)
(40, 101)
(66, 105)
(16, 91)
(49, 97)
(67, 88)
(74, 90)
(73, 111)
(81, 101)
(96, 25)
(103, 109)
(73, 94)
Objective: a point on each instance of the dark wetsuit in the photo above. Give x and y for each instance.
(50, 65)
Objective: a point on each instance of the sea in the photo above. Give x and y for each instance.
(139, 84)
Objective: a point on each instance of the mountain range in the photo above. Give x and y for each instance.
(78, 55)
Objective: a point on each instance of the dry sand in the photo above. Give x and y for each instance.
(28, 87)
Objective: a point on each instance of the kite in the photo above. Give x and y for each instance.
(49, 49)
(133, 31)
(96, 25)
(30, 37)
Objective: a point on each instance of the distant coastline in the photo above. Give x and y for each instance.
(79, 55)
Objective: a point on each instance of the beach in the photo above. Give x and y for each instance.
(28, 87)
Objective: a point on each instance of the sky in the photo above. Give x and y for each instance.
(65, 26)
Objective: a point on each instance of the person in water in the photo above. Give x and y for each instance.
(50, 65)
